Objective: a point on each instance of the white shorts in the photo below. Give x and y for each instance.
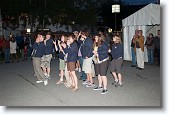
(87, 65)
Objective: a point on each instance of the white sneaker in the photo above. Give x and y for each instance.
(85, 83)
(45, 82)
(39, 81)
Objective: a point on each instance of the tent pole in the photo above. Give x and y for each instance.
(115, 21)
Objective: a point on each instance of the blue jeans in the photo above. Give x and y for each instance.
(7, 55)
(133, 56)
(150, 53)
(84, 76)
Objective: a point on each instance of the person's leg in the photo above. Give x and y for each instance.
(149, 56)
(8, 54)
(39, 70)
(12, 58)
(104, 79)
(85, 69)
(119, 63)
(103, 72)
(34, 67)
(72, 80)
(16, 57)
(100, 80)
(140, 58)
(49, 58)
(84, 76)
(75, 80)
(152, 56)
(120, 78)
(48, 71)
(133, 57)
(68, 80)
(6, 60)
(115, 76)
(78, 66)
(61, 68)
(89, 66)
(44, 71)
(113, 68)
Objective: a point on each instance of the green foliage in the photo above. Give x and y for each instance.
(59, 11)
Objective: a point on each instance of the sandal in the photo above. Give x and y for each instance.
(59, 82)
(72, 87)
(75, 89)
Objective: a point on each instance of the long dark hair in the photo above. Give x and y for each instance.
(100, 41)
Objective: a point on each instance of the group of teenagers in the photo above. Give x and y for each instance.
(79, 46)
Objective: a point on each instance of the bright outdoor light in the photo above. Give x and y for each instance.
(115, 8)
(109, 30)
(28, 30)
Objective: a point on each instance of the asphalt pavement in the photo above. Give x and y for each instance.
(18, 87)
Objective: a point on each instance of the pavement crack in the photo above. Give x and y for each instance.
(45, 91)
(27, 80)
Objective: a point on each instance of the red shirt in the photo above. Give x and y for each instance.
(25, 51)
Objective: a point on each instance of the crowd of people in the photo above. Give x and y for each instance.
(15, 48)
(137, 48)
(79, 51)
(91, 55)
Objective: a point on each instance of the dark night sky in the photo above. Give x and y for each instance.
(138, 2)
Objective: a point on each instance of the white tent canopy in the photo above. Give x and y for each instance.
(146, 19)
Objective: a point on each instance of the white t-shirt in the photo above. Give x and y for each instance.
(13, 47)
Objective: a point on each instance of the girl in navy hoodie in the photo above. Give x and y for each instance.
(101, 64)
(61, 57)
(72, 50)
(116, 63)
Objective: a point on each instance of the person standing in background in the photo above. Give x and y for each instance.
(140, 50)
(116, 64)
(133, 48)
(150, 48)
(37, 53)
(13, 46)
(86, 50)
(157, 46)
(48, 51)
(6, 46)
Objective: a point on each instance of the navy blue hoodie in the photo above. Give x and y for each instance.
(48, 47)
(117, 51)
(103, 51)
(87, 48)
(39, 47)
(72, 51)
